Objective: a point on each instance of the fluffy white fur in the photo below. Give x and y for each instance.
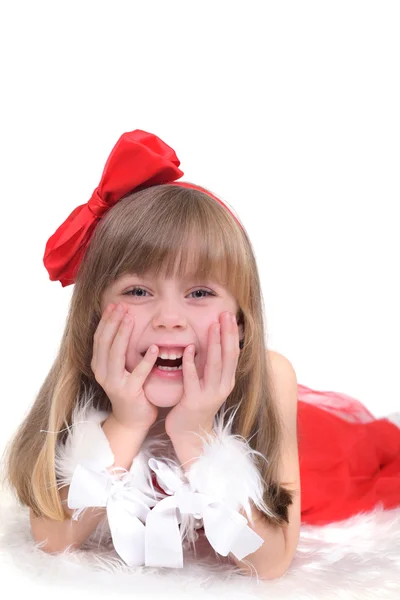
(357, 559)
(226, 469)
(86, 442)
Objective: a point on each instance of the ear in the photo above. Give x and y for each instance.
(240, 323)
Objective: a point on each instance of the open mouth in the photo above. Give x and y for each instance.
(165, 362)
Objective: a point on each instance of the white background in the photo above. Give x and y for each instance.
(289, 111)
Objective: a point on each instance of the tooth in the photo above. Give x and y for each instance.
(171, 355)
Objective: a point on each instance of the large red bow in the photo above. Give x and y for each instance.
(138, 160)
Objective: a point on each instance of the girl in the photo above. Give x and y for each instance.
(198, 437)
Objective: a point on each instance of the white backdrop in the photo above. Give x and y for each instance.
(287, 110)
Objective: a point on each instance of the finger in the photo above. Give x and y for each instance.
(213, 367)
(117, 355)
(191, 383)
(106, 314)
(105, 339)
(230, 352)
(143, 369)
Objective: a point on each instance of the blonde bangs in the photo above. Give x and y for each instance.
(190, 236)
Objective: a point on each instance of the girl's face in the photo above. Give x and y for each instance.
(168, 312)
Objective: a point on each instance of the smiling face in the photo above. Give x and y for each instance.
(168, 312)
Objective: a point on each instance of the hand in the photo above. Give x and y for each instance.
(202, 399)
(130, 406)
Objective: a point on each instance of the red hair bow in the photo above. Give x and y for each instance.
(138, 160)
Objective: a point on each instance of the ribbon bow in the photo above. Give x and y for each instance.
(138, 160)
(127, 507)
(226, 529)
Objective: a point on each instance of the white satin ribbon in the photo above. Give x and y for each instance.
(226, 529)
(127, 506)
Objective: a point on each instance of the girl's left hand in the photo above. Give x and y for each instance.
(202, 398)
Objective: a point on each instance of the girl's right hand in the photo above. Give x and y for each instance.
(130, 406)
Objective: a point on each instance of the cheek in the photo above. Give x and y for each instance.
(202, 332)
(133, 357)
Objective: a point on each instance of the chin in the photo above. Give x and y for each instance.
(163, 398)
(163, 403)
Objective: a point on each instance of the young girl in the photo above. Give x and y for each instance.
(164, 414)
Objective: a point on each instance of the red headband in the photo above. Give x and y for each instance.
(138, 160)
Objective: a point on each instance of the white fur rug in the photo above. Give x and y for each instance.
(356, 559)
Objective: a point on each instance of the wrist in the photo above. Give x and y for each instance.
(189, 446)
(135, 428)
(125, 442)
(189, 429)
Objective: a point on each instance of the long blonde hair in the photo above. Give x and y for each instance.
(152, 230)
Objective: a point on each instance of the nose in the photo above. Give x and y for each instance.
(168, 317)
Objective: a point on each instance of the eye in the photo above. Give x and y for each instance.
(205, 291)
(132, 291)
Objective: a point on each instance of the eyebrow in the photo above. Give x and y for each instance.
(186, 279)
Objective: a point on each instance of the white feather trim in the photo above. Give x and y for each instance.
(227, 469)
(87, 443)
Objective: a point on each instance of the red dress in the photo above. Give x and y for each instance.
(349, 460)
